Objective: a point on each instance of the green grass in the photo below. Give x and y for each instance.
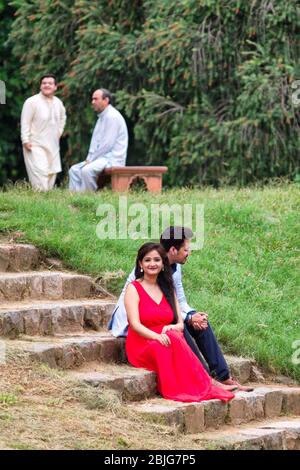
(246, 276)
(7, 399)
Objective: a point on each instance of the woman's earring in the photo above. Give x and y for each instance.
(142, 270)
(163, 268)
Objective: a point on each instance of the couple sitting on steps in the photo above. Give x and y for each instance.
(164, 334)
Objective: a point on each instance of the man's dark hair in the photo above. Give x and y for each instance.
(48, 75)
(175, 236)
(106, 94)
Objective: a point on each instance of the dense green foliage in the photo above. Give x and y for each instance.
(246, 276)
(10, 152)
(205, 85)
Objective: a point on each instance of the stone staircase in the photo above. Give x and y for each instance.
(57, 318)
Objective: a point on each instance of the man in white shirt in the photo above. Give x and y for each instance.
(42, 123)
(176, 241)
(108, 145)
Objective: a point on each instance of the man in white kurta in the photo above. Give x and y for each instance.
(42, 123)
(108, 145)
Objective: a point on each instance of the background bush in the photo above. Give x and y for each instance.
(205, 85)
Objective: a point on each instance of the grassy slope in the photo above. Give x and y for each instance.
(245, 277)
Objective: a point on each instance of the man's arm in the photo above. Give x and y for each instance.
(62, 119)
(197, 320)
(108, 135)
(184, 306)
(118, 323)
(26, 119)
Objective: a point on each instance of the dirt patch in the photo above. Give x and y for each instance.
(45, 402)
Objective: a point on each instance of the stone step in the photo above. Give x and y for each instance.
(18, 257)
(263, 403)
(132, 384)
(241, 368)
(119, 377)
(281, 434)
(53, 317)
(68, 352)
(44, 285)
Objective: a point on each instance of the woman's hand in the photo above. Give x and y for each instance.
(177, 327)
(167, 328)
(163, 339)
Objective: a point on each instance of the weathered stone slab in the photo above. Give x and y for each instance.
(134, 385)
(72, 352)
(262, 403)
(76, 286)
(272, 401)
(187, 417)
(240, 368)
(56, 318)
(168, 413)
(97, 317)
(256, 375)
(4, 258)
(53, 286)
(138, 388)
(11, 325)
(291, 437)
(67, 319)
(291, 401)
(24, 258)
(18, 258)
(254, 439)
(215, 412)
(276, 435)
(256, 405)
(44, 285)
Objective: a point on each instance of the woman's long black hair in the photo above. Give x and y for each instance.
(164, 279)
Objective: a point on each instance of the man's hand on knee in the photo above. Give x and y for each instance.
(199, 321)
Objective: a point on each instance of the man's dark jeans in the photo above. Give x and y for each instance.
(209, 348)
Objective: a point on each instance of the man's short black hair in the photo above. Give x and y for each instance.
(175, 236)
(106, 94)
(48, 75)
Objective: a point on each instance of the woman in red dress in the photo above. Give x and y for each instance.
(155, 338)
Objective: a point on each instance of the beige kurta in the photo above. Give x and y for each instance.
(42, 124)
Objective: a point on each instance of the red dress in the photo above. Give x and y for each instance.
(180, 374)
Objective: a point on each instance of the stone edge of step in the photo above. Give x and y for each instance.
(263, 403)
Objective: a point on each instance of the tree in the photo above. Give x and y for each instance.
(205, 85)
(11, 162)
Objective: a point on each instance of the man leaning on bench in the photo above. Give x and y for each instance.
(108, 151)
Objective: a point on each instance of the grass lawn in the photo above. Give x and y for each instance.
(246, 276)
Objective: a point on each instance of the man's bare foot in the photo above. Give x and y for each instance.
(229, 388)
(241, 388)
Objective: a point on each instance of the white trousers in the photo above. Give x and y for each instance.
(40, 173)
(83, 177)
(39, 181)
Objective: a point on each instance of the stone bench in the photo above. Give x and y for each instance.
(122, 177)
